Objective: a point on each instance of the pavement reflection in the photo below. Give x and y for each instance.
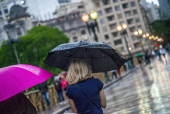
(141, 94)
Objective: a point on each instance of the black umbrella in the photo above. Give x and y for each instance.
(100, 56)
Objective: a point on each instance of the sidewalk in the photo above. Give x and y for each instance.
(57, 109)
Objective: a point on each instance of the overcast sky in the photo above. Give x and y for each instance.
(154, 1)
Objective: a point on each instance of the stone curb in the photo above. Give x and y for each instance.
(109, 84)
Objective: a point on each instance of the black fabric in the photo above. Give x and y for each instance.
(100, 56)
(57, 85)
(43, 88)
(18, 104)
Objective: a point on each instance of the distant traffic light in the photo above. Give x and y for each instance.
(156, 45)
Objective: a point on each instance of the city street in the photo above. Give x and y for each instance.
(139, 94)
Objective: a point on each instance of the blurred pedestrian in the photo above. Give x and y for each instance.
(64, 82)
(153, 54)
(158, 55)
(113, 73)
(44, 91)
(147, 58)
(58, 88)
(163, 52)
(168, 48)
(118, 70)
(85, 94)
(17, 104)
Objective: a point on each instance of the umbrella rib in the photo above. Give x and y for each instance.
(70, 57)
(109, 57)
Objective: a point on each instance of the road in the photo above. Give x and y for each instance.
(141, 94)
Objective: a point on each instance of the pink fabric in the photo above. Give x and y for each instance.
(17, 78)
(64, 82)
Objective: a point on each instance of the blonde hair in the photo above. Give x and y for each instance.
(78, 70)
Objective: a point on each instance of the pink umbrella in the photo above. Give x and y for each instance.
(17, 78)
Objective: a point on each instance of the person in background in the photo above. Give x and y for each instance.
(44, 91)
(58, 88)
(158, 55)
(113, 73)
(153, 54)
(118, 70)
(64, 82)
(85, 93)
(147, 58)
(163, 52)
(17, 104)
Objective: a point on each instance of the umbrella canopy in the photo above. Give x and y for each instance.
(17, 78)
(139, 55)
(100, 56)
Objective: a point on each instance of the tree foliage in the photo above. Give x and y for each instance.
(33, 48)
(161, 28)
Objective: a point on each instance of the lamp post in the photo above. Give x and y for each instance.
(91, 26)
(122, 29)
(137, 33)
(147, 36)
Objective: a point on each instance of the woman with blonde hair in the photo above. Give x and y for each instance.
(85, 94)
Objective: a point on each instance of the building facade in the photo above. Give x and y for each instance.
(153, 11)
(164, 9)
(73, 26)
(115, 12)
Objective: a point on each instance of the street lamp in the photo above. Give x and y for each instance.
(137, 33)
(123, 32)
(146, 36)
(91, 26)
(122, 28)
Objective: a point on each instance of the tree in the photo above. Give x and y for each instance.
(33, 48)
(162, 29)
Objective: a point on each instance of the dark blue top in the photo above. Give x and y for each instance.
(91, 87)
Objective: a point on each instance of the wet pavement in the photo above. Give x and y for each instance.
(141, 94)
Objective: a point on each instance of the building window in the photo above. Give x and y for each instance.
(106, 37)
(97, 4)
(139, 27)
(137, 20)
(99, 13)
(132, 4)
(134, 37)
(137, 45)
(119, 16)
(62, 27)
(128, 13)
(113, 26)
(108, 10)
(130, 21)
(18, 31)
(115, 34)
(132, 29)
(125, 6)
(106, 2)
(115, 1)
(117, 8)
(104, 29)
(83, 32)
(0, 12)
(75, 39)
(6, 10)
(110, 18)
(81, 6)
(120, 49)
(102, 21)
(117, 42)
(135, 12)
